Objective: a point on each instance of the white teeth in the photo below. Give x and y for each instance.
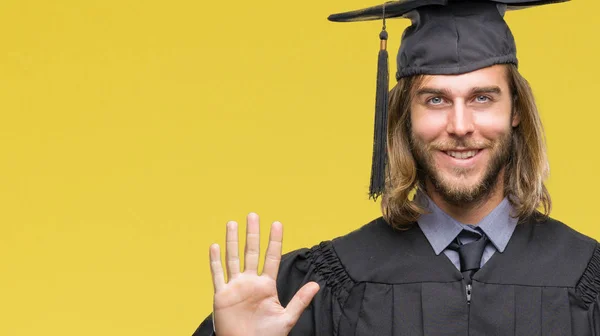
(462, 155)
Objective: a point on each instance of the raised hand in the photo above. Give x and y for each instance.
(248, 304)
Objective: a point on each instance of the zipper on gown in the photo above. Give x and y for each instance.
(468, 291)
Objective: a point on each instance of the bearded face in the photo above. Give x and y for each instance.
(461, 128)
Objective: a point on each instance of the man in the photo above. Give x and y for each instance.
(470, 253)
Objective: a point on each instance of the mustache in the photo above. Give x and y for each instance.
(448, 145)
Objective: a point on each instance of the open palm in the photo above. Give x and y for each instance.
(248, 304)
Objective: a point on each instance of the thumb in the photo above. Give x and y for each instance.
(300, 301)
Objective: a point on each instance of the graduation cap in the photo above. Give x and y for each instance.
(446, 37)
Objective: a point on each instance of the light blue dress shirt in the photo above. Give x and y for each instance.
(440, 229)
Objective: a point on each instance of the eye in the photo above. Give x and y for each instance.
(482, 99)
(435, 100)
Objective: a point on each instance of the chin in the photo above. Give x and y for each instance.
(460, 188)
(461, 178)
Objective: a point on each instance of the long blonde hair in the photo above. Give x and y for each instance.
(525, 172)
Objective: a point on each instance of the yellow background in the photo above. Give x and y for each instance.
(131, 131)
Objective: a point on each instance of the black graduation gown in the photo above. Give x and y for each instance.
(380, 281)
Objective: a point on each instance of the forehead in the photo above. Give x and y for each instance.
(487, 77)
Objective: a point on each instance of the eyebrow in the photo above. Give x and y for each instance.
(486, 89)
(446, 92)
(428, 90)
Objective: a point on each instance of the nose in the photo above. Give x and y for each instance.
(460, 120)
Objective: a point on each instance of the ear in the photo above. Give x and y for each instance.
(516, 116)
(516, 119)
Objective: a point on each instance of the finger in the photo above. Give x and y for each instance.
(232, 250)
(300, 301)
(273, 256)
(252, 250)
(215, 268)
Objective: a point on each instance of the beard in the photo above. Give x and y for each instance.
(455, 188)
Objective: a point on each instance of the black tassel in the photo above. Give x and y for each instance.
(378, 167)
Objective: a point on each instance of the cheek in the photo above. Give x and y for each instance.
(492, 126)
(428, 126)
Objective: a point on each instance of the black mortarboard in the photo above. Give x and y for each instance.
(446, 37)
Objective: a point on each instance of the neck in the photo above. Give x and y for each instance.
(469, 213)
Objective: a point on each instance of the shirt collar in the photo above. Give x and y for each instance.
(440, 229)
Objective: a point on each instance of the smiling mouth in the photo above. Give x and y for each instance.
(463, 154)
